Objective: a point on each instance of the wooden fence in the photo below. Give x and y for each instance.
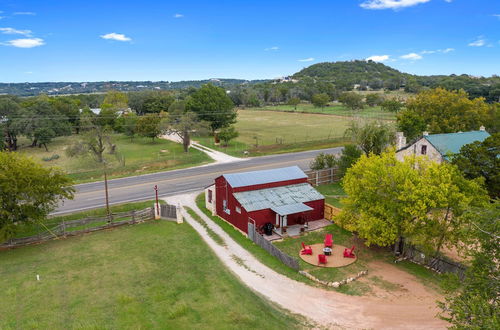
(325, 176)
(331, 211)
(269, 247)
(437, 264)
(82, 226)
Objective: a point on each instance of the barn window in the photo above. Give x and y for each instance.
(224, 207)
(238, 209)
(210, 196)
(423, 151)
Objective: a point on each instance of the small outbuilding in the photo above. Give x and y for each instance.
(281, 196)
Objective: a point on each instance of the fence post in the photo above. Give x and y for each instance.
(317, 178)
(133, 216)
(178, 214)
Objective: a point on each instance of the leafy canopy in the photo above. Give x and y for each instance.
(28, 192)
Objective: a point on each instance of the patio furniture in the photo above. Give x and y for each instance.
(349, 253)
(306, 249)
(321, 259)
(327, 251)
(329, 240)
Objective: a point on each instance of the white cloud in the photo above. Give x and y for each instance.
(449, 1)
(496, 15)
(479, 42)
(28, 13)
(9, 30)
(444, 51)
(25, 43)
(178, 16)
(412, 56)
(116, 36)
(309, 59)
(272, 48)
(447, 50)
(378, 58)
(390, 4)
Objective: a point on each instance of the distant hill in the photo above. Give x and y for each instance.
(62, 88)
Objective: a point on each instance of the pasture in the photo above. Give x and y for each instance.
(152, 275)
(133, 156)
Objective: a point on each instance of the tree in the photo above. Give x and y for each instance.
(149, 126)
(322, 161)
(474, 303)
(352, 100)
(115, 100)
(28, 192)
(480, 159)
(150, 101)
(294, 101)
(227, 134)
(391, 105)
(446, 111)
(126, 124)
(385, 198)
(183, 123)
(411, 124)
(373, 137)
(450, 196)
(211, 104)
(10, 126)
(320, 100)
(373, 99)
(349, 156)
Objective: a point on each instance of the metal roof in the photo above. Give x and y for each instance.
(268, 198)
(265, 176)
(451, 143)
(291, 209)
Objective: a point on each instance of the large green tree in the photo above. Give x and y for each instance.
(28, 192)
(372, 137)
(183, 123)
(446, 111)
(149, 126)
(474, 303)
(481, 159)
(211, 104)
(351, 100)
(320, 100)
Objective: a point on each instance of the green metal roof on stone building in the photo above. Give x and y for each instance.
(451, 143)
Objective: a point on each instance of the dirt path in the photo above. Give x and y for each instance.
(328, 308)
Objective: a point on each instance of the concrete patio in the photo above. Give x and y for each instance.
(294, 230)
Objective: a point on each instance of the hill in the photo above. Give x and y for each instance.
(359, 72)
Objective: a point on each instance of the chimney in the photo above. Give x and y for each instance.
(425, 133)
(482, 128)
(400, 140)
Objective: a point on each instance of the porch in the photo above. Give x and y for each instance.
(295, 230)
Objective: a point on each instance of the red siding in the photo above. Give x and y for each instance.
(223, 191)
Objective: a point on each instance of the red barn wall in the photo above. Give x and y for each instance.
(224, 191)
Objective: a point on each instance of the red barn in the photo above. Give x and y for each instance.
(279, 196)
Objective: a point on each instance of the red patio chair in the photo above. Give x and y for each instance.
(349, 253)
(306, 249)
(329, 240)
(321, 259)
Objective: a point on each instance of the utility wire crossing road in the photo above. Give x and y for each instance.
(170, 183)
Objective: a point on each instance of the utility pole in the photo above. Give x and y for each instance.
(157, 206)
(106, 191)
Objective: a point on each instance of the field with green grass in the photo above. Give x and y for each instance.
(333, 193)
(332, 109)
(155, 275)
(134, 156)
(269, 132)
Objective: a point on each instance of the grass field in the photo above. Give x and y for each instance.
(332, 192)
(140, 156)
(156, 275)
(269, 132)
(333, 109)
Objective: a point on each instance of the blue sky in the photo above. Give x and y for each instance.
(181, 40)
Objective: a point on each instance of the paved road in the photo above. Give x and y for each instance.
(137, 188)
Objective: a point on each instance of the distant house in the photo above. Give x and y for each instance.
(279, 196)
(438, 147)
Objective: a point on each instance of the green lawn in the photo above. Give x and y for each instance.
(134, 156)
(152, 275)
(332, 192)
